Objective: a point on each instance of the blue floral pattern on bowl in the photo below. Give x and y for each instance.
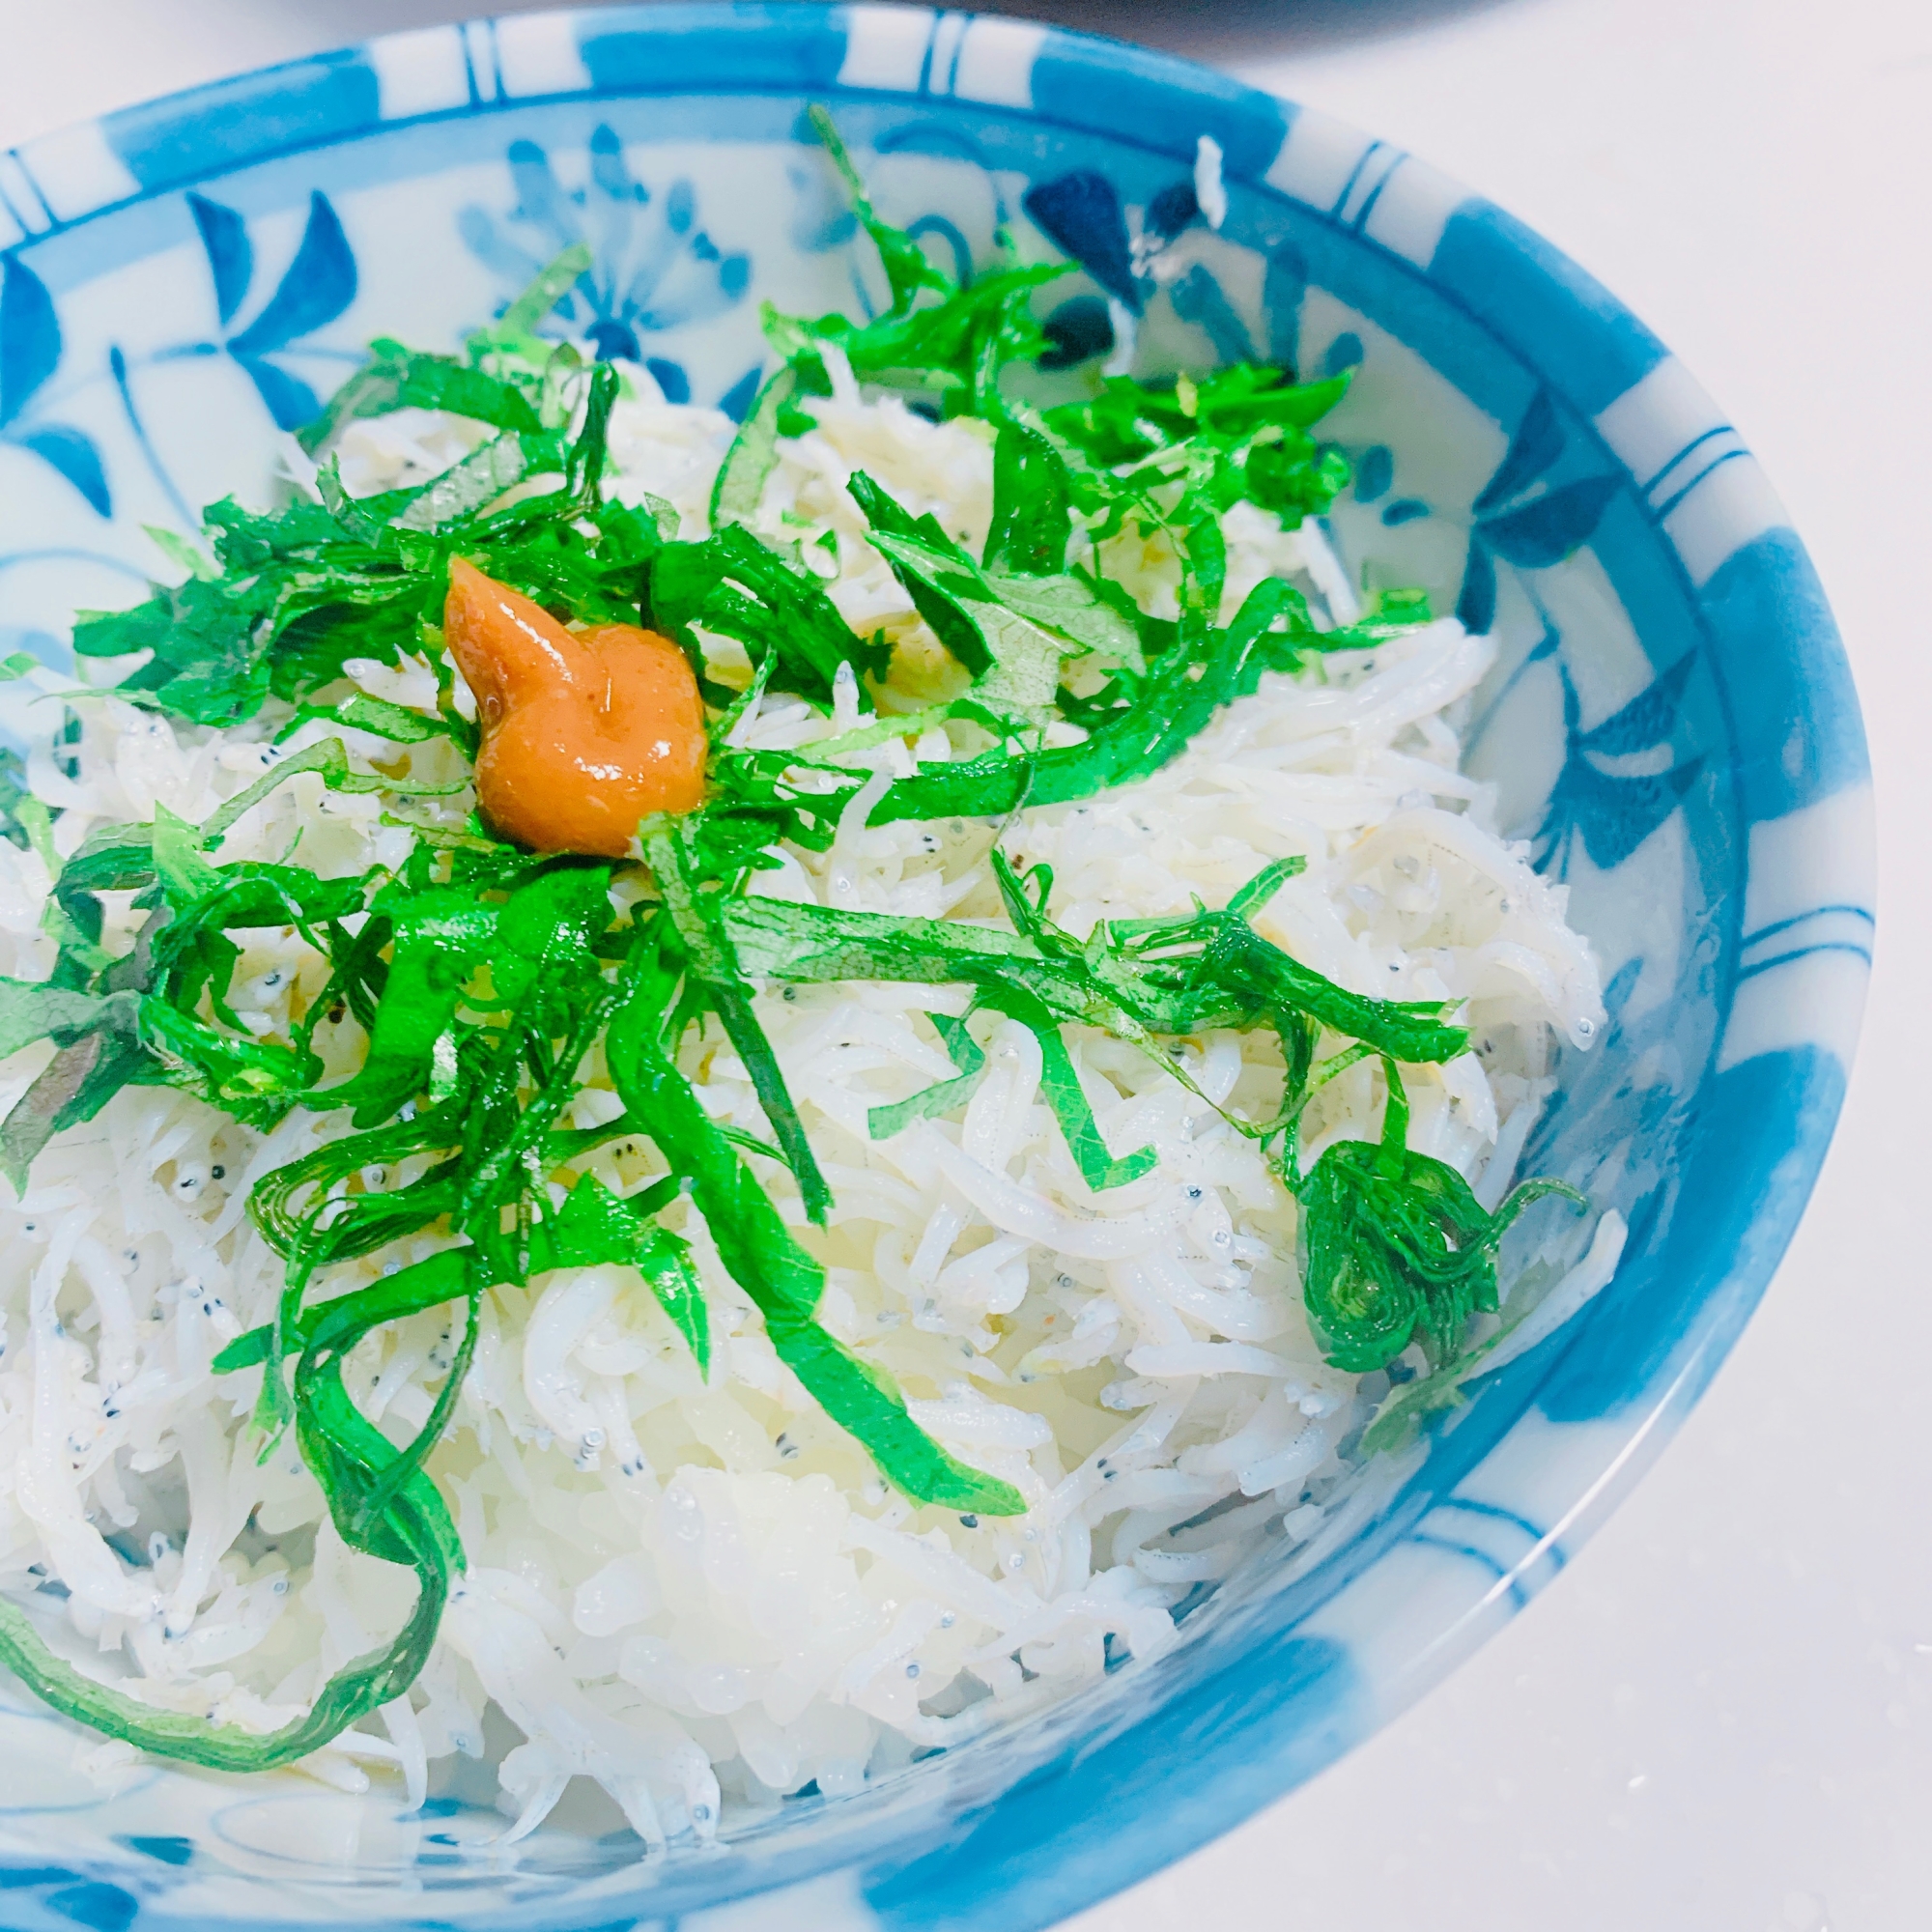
(652, 269)
(1670, 724)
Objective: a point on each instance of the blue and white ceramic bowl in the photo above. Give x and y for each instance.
(1673, 723)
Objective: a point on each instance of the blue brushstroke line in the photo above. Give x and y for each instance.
(1664, 509)
(1354, 175)
(933, 138)
(924, 87)
(1499, 1571)
(1362, 221)
(1519, 1595)
(117, 362)
(1804, 953)
(63, 554)
(477, 97)
(1542, 1537)
(1540, 652)
(957, 242)
(1764, 932)
(1697, 441)
(27, 175)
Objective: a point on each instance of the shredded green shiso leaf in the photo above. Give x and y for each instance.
(482, 976)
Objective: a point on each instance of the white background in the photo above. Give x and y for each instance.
(1720, 1719)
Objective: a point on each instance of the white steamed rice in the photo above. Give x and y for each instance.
(702, 1597)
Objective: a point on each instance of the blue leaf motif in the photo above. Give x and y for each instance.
(665, 245)
(1622, 984)
(1404, 510)
(75, 457)
(670, 378)
(17, 1878)
(501, 256)
(1476, 607)
(822, 218)
(101, 1907)
(1171, 210)
(1374, 473)
(736, 400)
(30, 336)
(1081, 215)
(290, 399)
(615, 341)
(1537, 444)
(171, 1851)
(231, 255)
(654, 267)
(1617, 991)
(1647, 720)
(703, 284)
(1079, 329)
(319, 285)
(1197, 298)
(540, 196)
(1547, 528)
(607, 167)
(1344, 353)
(615, 200)
(1613, 816)
(1284, 288)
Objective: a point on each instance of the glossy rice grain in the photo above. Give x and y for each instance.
(584, 733)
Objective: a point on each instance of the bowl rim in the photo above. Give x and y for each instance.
(1121, 1824)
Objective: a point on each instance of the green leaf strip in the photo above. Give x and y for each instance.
(758, 1252)
(967, 1055)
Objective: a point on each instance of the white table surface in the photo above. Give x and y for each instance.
(1720, 1719)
